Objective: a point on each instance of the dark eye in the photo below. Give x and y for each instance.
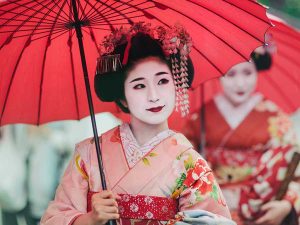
(230, 74)
(247, 72)
(163, 81)
(139, 86)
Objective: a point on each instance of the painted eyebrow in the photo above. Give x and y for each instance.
(142, 78)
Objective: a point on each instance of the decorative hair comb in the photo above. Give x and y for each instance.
(176, 43)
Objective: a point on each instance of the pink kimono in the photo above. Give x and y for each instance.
(155, 181)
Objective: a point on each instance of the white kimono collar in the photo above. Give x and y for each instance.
(133, 151)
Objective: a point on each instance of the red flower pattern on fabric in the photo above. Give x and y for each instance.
(205, 183)
(194, 174)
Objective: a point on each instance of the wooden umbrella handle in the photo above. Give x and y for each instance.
(289, 176)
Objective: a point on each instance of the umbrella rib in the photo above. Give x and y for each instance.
(40, 29)
(37, 33)
(91, 34)
(120, 23)
(71, 33)
(11, 81)
(287, 74)
(92, 9)
(62, 32)
(193, 1)
(107, 29)
(43, 65)
(115, 16)
(20, 14)
(251, 1)
(82, 17)
(70, 10)
(245, 58)
(27, 43)
(94, 13)
(18, 28)
(73, 74)
(220, 39)
(292, 43)
(83, 10)
(291, 59)
(280, 91)
(108, 22)
(67, 18)
(32, 9)
(20, 20)
(59, 8)
(115, 11)
(109, 15)
(294, 35)
(208, 60)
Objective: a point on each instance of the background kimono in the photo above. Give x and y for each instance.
(167, 171)
(253, 152)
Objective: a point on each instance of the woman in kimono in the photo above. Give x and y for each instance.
(153, 174)
(249, 143)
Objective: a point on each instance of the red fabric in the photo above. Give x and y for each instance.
(143, 207)
(267, 173)
(41, 74)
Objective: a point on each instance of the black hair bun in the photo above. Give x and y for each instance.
(109, 86)
(262, 61)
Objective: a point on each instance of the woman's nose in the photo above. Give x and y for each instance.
(240, 82)
(152, 94)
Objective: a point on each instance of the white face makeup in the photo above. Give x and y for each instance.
(239, 82)
(150, 91)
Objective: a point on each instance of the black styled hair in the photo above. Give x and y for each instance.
(109, 86)
(262, 61)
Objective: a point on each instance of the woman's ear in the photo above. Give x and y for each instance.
(124, 103)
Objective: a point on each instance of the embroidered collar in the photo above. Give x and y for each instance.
(133, 151)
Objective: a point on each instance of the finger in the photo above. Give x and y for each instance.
(104, 202)
(107, 216)
(106, 194)
(110, 209)
(262, 220)
(267, 206)
(118, 197)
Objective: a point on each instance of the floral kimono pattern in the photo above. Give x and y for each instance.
(259, 148)
(171, 176)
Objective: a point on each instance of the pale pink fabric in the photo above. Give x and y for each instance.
(170, 169)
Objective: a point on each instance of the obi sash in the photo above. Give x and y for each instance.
(143, 207)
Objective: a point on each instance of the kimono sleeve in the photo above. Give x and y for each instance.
(71, 195)
(197, 187)
(265, 183)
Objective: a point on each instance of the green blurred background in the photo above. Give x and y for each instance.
(288, 10)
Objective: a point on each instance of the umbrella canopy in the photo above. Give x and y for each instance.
(41, 76)
(281, 83)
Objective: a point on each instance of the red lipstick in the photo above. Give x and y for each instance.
(156, 109)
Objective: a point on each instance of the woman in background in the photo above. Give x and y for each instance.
(249, 143)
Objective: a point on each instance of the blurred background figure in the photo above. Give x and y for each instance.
(13, 191)
(32, 159)
(245, 135)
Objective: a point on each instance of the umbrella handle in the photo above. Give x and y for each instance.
(288, 176)
(77, 26)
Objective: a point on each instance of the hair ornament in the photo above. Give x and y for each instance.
(176, 44)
